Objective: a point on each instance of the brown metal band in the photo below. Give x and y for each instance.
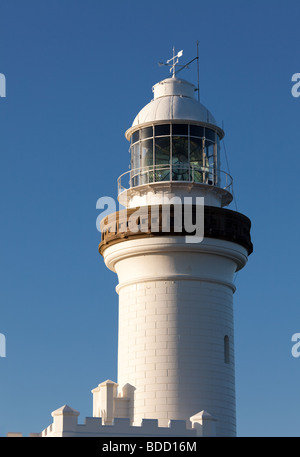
(220, 223)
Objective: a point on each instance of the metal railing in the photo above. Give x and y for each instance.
(175, 173)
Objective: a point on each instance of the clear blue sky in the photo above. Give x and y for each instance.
(77, 73)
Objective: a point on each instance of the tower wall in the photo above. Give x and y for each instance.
(175, 311)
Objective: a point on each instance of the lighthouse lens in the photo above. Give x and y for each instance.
(175, 152)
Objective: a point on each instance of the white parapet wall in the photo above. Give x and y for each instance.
(65, 424)
(107, 404)
(113, 416)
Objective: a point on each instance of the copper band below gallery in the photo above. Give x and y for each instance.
(220, 223)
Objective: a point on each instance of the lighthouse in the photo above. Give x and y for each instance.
(175, 247)
(176, 321)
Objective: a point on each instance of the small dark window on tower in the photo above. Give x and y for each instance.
(226, 349)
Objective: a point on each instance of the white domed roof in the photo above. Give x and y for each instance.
(173, 100)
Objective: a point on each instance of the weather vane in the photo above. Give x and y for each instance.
(172, 62)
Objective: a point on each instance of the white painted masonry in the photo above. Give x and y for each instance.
(175, 309)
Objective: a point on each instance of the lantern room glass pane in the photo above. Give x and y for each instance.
(196, 159)
(162, 157)
(210, 135)
(135, 155)
(163, 129)
(146, 161)
(197, 130)
(146, 132)
(209, 150)
(180, 158)
(179, 129)
(209, 157)
(146, 153)
(196, 150)
(135, 136)
(162, 150)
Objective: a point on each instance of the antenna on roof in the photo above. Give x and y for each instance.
(198, 87)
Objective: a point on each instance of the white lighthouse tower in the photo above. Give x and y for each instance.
(175, 248)
(176, 335)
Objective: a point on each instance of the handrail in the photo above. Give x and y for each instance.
(175, 173)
